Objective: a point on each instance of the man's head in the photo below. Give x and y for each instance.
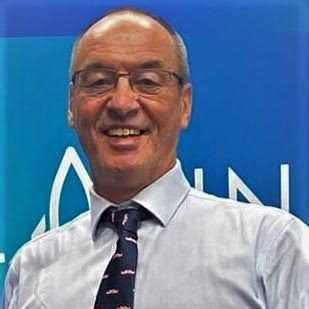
(129, 100)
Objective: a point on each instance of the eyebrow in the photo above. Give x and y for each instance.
(95, 65)
(151, 64)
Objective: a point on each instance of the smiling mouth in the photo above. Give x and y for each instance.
(123, 132)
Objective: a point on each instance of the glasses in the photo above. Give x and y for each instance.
(144, 81)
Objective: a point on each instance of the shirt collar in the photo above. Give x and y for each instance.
(162, 198)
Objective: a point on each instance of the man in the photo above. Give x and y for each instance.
(130, 97)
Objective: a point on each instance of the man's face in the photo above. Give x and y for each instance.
(154, 121)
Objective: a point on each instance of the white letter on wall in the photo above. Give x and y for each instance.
(199, 179)
(285, 187)
(236, 184)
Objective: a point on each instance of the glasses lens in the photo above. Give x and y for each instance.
(149, 81)
(97, 79)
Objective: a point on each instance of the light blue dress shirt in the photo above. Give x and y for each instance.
(199, 251)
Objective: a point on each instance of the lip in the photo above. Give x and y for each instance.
(127, 143)
(104, 128)
(128, 134)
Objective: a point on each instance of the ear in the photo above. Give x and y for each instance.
(70, 106)
(186, 105)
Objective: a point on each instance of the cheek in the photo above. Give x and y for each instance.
(169, 127)
(170, 118)
(164, 110)
(171, 122)
(86, 112)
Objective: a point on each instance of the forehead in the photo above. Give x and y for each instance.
(125, 42)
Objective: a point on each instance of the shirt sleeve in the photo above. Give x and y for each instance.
(286, 268)
(10, 295)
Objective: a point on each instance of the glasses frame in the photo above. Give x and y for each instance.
(123, 74)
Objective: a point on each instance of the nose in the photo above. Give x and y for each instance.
(123, 101)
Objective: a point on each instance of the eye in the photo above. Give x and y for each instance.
(147, 79)
(102, 82)
(96, 79)
(147, 82)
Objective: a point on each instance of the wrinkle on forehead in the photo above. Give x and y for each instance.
(109, 22)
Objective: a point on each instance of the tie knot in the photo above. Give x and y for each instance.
(125, 219)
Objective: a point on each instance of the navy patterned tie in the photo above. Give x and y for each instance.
(116, 289)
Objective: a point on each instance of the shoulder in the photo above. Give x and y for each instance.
(199, 198)
(241, 216)
(48, 247)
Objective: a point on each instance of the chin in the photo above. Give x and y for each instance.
(123, 164)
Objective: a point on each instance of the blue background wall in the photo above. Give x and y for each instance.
(250, 71)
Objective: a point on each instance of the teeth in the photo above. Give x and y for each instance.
(134, 132)
(122, 132)
(126, 132)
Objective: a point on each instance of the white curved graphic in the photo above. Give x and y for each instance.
(40, 228)
(70, 158)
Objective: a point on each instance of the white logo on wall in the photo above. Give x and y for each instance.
(69, 160)
(72, 160)
(237, 185)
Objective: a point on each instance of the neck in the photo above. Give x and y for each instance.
(118, 190)
(115, 195)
